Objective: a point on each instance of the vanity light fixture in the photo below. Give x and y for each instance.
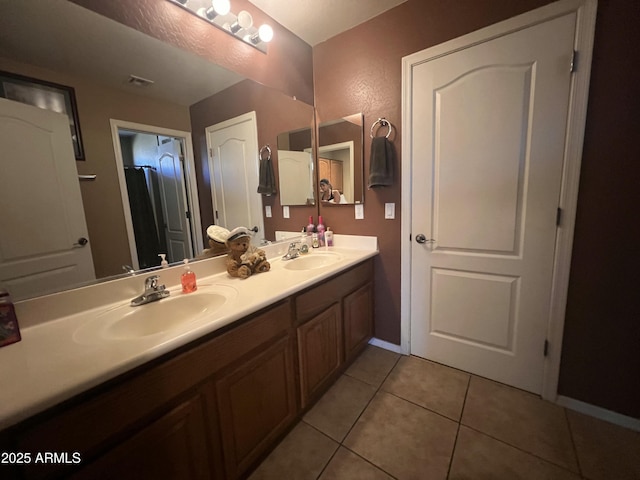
(218, 13)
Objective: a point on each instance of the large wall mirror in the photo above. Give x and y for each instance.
(106, 64)
(340, 160)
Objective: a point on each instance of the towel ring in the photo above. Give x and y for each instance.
(266, 147)
(384, 123)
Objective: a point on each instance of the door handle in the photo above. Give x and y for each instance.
(420, 238)
(81, 242)
(255, 229)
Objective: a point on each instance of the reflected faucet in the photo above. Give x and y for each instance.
(152, 292)
(129, 269)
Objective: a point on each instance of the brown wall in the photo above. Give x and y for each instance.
(601, 354)
(276, 113)
(286, 66)
(101, 198)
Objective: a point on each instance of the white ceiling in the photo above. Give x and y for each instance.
(60, 35)
(315, 21)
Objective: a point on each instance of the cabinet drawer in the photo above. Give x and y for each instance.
(317, 299)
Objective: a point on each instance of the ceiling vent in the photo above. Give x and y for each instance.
(139, 81)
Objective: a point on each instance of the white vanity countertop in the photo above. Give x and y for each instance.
(54, 362)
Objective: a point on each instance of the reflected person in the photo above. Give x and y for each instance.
(328, 193)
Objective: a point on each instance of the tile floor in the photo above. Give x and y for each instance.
(391, 416)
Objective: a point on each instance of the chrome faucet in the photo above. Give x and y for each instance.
(293, 252)
(152, 292)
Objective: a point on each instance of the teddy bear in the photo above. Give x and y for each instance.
(217, 237)
(244, 259)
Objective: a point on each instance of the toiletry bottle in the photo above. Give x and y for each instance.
(188, 279)
(9, 329)
(328, 237)
(320, 228)
(163, 263)
(314, 240)
(311, 227)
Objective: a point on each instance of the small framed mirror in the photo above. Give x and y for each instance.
(340, 160)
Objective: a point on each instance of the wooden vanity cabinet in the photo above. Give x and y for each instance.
(334, 322)
(212, 409)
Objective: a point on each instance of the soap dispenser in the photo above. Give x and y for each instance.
(163, 263)
(188, 278)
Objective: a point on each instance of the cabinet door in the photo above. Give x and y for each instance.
(358, 321)
(172, 447)
(319, 351)
(256, 403)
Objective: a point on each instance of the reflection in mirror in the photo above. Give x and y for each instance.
(295, 168)
(340, 160)
(95, 56)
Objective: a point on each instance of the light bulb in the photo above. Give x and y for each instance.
(221, 7)
(265, 32)
(245, 20)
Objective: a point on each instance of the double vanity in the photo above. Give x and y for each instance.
(198, 385)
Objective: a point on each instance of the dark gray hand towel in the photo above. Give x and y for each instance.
(382, 163)
(267, 185)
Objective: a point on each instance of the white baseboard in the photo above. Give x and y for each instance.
(599, 412)
(376, 342)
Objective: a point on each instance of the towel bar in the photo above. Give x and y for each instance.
(384, 123)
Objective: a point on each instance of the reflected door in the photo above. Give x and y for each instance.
(233, 163)
(44, 240)
(488, 136)
(174, 200)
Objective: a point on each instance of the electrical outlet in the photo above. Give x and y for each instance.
(359, 212)
(285, 211)
(267, 211)
(390, 211)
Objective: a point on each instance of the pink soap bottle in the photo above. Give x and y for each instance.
(188, 279)
(320, 229)
(311, 227)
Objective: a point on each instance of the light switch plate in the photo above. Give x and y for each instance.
(285, 211)
(359, 212)
(390, 211)
(267, 211)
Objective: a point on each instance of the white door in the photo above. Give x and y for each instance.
(487, 142)
(295, 171)
(233, 163)
(175, 209)
(44, 240)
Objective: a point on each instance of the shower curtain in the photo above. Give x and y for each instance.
(144, 225)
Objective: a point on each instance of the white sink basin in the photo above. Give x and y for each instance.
(160, 316)
(126, 322)
(312, 261)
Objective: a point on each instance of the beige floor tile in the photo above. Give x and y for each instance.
(479, 457)
(346, 465)
(373, 365)
(301, 455)
(605, 451)
(403, 439)
(520, 419)
(339, 408)
(433, 386)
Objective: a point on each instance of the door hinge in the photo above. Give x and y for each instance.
(574, 61)
(187, 214)
(558, 217)
(546, 347)
(217, 215)
(211, 152)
